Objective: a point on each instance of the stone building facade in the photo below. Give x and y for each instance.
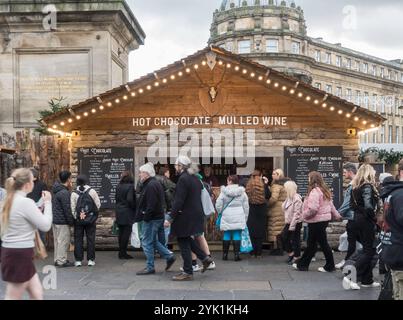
(71, 49)
(274, 33)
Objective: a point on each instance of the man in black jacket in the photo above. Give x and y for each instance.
(392, 241)
(188, 218)
(151, 212)
(62, 219)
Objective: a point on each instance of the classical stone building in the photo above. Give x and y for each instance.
(49, 49)
(274, 33)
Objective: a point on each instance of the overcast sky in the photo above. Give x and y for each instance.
(177, 28)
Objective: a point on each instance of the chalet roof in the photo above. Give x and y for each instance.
(363, 118)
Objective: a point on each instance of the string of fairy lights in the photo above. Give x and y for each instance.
(158, 82)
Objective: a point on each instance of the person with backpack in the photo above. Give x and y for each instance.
(62, 219)
(318, 210)
(364, 201)
(125, 212)
(151, 212)
(85, 205)
(233, 205)
(20, 219)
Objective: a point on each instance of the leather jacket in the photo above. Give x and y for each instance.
(364, 201)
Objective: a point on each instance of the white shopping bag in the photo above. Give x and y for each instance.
(135, 237)
(343, 247)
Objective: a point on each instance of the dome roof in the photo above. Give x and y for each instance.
(229, 4)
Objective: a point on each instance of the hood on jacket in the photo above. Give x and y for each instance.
(233, 190)
(389, 187)
(57, 187)
(86, 187)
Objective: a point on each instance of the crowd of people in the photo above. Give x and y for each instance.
(249, 211)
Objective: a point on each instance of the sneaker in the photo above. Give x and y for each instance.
(350, 285)
(145, 272)
(206, 264)
(372, 285)
(212, 266)
(321, 269)
(78, 264)
(183, 277)
(170, 262)
(341, 264)
(91, 263)
(294, 265)
(67, 264)
(196, 268)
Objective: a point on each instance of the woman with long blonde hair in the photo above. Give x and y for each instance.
(258, 192)
(20, 218)
(364, 202)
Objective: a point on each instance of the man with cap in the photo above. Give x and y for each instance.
(188, 218)
(151, 212)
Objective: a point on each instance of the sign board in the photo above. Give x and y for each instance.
(103, 167)
(328, 161)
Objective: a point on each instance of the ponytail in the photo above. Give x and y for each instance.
(17, 180)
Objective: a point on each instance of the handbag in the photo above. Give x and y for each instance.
(40, 249)
(208, 206)
(218, 221)
(246, 243)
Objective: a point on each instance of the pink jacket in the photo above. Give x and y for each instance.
(292, 209)
(317, 209)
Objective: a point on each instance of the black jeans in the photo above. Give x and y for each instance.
(188, 245)
(257, 244)
(352, 238)
(123, 238)
(90, 232)
(317, 235)
(364, 266)
(292, 239)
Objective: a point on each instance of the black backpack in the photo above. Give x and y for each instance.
(86, 204)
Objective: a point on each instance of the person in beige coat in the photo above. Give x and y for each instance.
(276, 221)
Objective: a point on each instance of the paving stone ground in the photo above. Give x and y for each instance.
(267, 279)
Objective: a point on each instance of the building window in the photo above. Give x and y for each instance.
(382, 74)
(318, 85)
(397, 134)
(374, 70)
(339, 92)
(375, 103)
(329, 88)
(296, 47)
(383, 134)
(349, 95)
(357, 65)
(272, 45)
(348, 63)
(382, 102)
(365, 68)
(396, 77)
(244, 46)
(317, 55)
(338, 61)
(366, 99)
(358, 97)
(328, 58)
(390, 134)
(390, 74)
(374, 137)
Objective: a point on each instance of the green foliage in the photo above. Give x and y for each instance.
(389, 157)
(55, 105)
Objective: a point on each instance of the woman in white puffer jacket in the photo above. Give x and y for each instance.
(233, 204)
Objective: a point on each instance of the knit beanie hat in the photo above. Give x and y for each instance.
(184, 161)
(148, 168)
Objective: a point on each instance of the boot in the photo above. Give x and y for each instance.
(237, 250)
(279, 251)
(225, 249)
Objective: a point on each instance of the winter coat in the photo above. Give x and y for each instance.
(364, 202)
(235, 201)
(292, 211)
(393, 226)
(152, 199)
(75, 196)
(61, 206)
(275, 223)
(169, 191)
(125, 204)
(317, 208)
(187, 210)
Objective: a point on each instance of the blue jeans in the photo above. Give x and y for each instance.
(151, 242)
(235, 235)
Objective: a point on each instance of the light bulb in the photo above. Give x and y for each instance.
(70, 120)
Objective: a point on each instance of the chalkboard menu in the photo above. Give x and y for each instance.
(103, 167)
(328, 161)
